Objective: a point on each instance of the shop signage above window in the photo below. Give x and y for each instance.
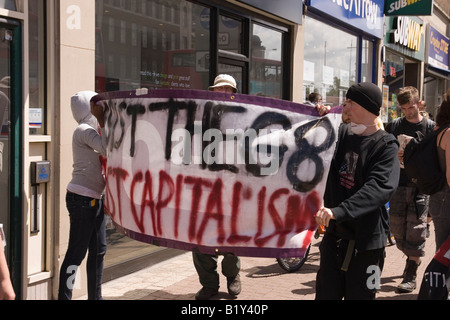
(408, 7)
(364, 15)
(438, 49)
(406, 35)
(291, 10)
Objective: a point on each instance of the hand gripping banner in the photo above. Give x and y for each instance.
(219, 172)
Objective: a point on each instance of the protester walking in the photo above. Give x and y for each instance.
(409, 208)
(363, 176)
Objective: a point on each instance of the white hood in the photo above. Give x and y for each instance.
(81, 108)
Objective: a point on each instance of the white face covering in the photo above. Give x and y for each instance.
(358, 128)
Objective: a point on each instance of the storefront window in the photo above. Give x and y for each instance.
(367, 61)
(169, 40)
(330, 62)
(266, 63)
(149, 44)
(433, 93)
(393, 76)
(229, 36)
(36, 67)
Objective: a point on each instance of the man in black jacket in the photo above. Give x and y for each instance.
(363, 176)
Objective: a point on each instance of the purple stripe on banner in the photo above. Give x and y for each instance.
(218, 96)
(239, 251)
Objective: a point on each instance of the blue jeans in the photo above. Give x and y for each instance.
(87, 232)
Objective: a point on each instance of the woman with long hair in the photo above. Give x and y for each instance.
(440, 201)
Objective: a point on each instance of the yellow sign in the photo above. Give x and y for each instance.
(408, 33)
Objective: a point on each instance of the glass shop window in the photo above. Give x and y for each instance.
(330, 62)
(266, 62)
(170, 41)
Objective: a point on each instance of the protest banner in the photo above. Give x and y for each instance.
(220, 172)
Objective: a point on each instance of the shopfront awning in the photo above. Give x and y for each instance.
(442, 73)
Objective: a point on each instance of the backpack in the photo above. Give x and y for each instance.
(422, 163)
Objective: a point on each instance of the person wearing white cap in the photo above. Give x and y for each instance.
(206, 264)
(224, 83)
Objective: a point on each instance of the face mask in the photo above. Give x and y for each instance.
(357, 129)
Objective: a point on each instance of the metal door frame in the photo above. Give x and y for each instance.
(16, 158)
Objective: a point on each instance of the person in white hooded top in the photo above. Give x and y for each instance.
(84, 200)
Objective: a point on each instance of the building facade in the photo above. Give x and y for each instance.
(286, 49)
(416, 54)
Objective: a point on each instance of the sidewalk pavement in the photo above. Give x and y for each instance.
(261, 278)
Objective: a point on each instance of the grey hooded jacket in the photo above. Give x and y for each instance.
(87, 146)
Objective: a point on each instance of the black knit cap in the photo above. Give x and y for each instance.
(368, 95)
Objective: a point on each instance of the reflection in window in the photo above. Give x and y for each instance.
(393, 71)
(111, 29)
(158, 46)
(36, 66)
(123, 30)
(8, 5)
(330, 62)
(266, 62)
(367, 61)
(393, 77)
(229, 36)
(171, 48)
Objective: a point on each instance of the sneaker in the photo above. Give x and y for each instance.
(206, 293)
(407, 286)
(234, 285)
(409, 281)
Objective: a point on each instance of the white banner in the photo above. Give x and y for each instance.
(224, 173)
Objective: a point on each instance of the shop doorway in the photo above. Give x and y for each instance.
(5, 106)
(10, 137)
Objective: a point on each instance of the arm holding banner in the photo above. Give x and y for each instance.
(322, 109)
(99, 113)
(323, 216)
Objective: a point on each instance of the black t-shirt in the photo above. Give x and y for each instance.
(402, 126)
(351, 158)
(357, 163)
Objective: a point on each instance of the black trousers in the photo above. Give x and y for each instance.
(345, 273)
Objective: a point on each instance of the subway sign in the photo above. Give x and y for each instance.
(406, 35)
(408, 7)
